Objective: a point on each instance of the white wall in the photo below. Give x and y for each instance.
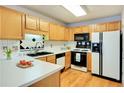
(123, 47)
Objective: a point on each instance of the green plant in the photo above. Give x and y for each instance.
(8, 52)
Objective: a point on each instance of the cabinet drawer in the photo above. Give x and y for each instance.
(42, 58)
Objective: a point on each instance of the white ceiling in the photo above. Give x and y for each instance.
(60, 13)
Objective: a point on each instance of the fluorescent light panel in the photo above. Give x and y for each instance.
(75, 9)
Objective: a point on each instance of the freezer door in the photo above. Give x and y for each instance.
(95, 63)
(111, 54)
(95, 37)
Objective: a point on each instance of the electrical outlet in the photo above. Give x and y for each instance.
(4, 48)
(51, 45)
(15, 48)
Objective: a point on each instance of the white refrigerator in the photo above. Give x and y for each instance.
(106, 55)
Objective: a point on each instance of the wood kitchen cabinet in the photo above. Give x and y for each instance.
(51, 59)
(71, 31)
(102, 27)
(43, 25)
(77, 30)
(53, 31)
(57, 32)
(50, 81)
(67, 34)
(85, 29)
(31, 23)
(89, 62)
(67, 60)
(42, 58)
(61, 32)
(11, 24)
(113, 26)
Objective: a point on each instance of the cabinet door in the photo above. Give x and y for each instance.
(51, 59)
(11, 24)
(89, 61)
(71, 31)
(0, 22)
(67, 34)
(85, 29)
(31, 23)
(67, 60)
(60, 34)
(101, 27)
(53, 31)
(113, 26)
(91, 30)
(44, 26)
(77, 30)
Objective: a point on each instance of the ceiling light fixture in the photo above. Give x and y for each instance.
(75, 9)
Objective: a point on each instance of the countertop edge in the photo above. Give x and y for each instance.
(40, 78)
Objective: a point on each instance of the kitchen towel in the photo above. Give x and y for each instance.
(78, 57)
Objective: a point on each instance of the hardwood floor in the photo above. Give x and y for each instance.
(75, 78)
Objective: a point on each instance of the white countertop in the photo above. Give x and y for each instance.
(13, 76)
(60, 51)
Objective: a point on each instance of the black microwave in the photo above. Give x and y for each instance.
(81, 37)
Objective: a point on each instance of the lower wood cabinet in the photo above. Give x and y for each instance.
(89, 62)
(50, 81)
(42, 58)
(51, 59)
(67, 60)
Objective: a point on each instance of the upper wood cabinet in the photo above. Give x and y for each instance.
(91, 28)
(113, 26)
(67, 34)
(11, 24)
(85, 29)
(53, 31)
(61, 32)
(0, 22)
(72, 32)
(44, 26)
(57, 32)
(31, 23)
(102, 27)
(77, 30)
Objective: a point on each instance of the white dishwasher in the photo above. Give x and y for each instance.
(60, 59)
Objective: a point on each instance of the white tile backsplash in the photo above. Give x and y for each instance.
(58, 45)
(48, 46)
(12, 44)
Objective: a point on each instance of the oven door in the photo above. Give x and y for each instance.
(79, 58)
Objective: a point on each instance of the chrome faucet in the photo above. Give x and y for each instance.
(36, 49)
